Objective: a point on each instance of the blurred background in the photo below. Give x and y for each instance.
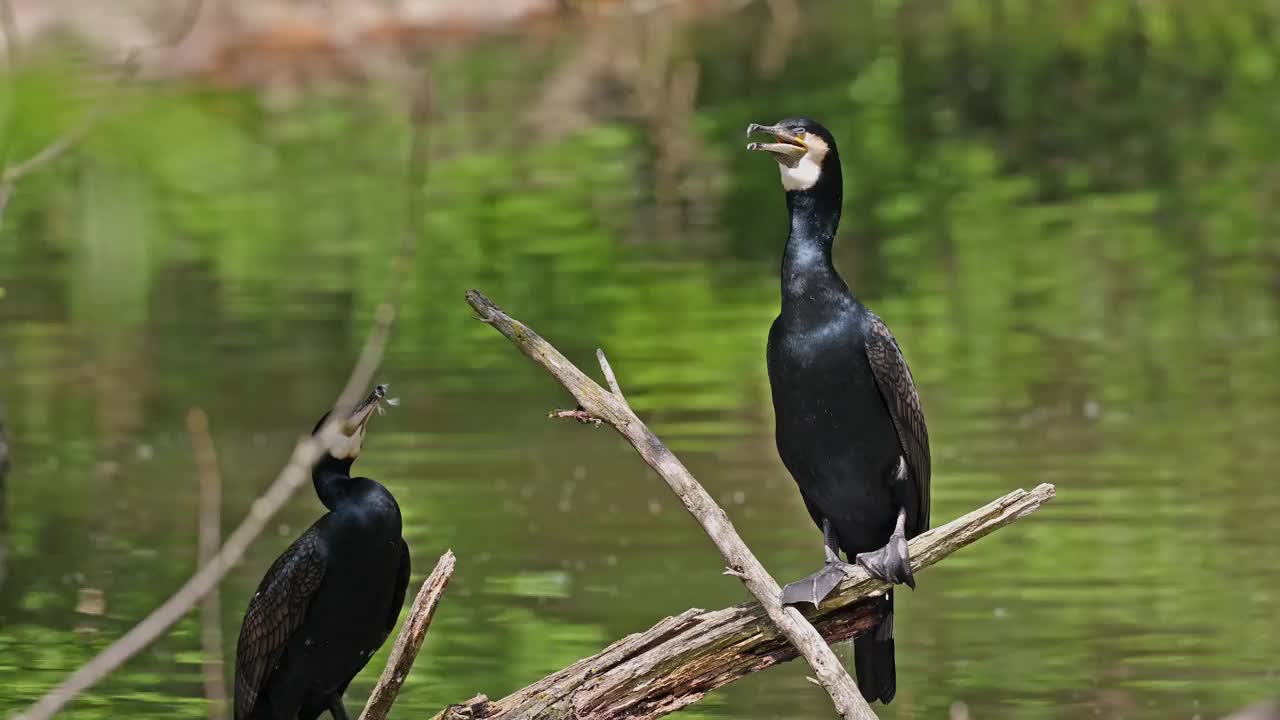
(1065, 209)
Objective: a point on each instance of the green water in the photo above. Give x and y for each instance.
(1067, 212)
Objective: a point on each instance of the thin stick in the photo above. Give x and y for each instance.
(306, 453)
(210, 531)
(609, 377)
(614, 410)
(409, 642)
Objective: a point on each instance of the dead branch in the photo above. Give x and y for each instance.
(409, 641)
(597, 402)
(682, 658)
(209, 532)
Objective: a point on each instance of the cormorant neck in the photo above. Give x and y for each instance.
(806, 263)
(330, 476)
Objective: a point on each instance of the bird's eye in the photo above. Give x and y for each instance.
(798, 132)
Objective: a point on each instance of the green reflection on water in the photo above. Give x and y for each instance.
(1066, 214)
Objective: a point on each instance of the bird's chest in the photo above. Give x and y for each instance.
(347, 617)
(831, 418)
(358, 587)
(819, 375)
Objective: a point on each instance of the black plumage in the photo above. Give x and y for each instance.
(850, 428)
(331, 599)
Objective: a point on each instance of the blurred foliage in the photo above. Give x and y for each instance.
(1065, 210)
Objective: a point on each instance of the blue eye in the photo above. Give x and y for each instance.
(798, 132)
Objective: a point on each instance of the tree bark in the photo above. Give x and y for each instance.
(682, 658)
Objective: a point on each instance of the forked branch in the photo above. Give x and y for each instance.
(611, 407)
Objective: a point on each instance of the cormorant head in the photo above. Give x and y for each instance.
(805, 151)
(353, 429)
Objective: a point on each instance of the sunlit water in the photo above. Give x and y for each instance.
(1088, 293)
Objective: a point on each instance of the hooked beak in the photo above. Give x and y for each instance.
(787, 148)
(356, 424)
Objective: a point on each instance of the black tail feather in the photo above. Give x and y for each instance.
(873, 660)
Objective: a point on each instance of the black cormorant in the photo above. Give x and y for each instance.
(849, 425)
(330, 600)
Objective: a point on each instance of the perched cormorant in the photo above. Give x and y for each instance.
(330, 600)
(849, 425)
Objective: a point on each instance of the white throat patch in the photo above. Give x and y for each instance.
(348, 448)
(805, 173)
(803, 176)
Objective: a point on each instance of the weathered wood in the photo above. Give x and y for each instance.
(409, 641)
(612, 408)
(679, 660)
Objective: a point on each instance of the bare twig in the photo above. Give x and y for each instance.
(409, 642)
(305, 454)
(579, 415)
(210, 535)
(614, 410)
(609, 377)
(679, 660)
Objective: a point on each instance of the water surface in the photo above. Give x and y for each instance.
(1067, 217)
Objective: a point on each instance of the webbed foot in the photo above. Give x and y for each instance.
(891, 563)
(817, 586)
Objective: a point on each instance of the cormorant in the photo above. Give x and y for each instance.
(849, 425)
(330, 600)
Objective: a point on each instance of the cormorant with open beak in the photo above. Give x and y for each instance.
(329, 602)
(849, 425)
